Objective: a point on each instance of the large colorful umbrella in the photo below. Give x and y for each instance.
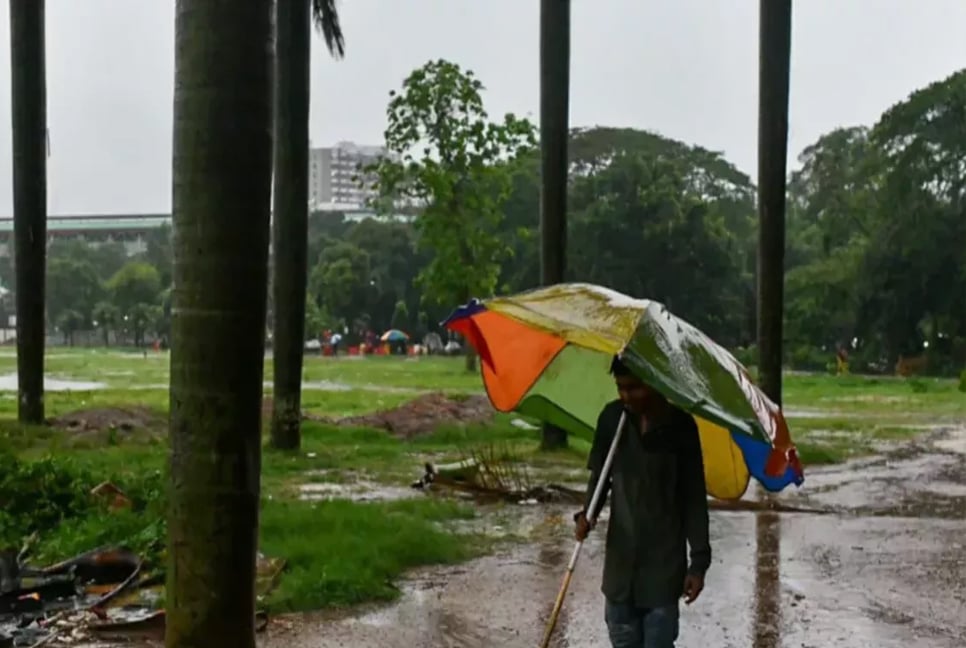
(546, 354)
(394, 335)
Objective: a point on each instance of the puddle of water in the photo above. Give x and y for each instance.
(830, 435)
(8, 383)
(924, 479)
(792, 413)
(848, 582)
(333, 386)
(359, 491)
(325, 385)
(953, 441)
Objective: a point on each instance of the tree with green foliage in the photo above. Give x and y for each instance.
(222, 178)
(72, 285)
(70, 322)
(830, 216)
(291, 203)
(393, 266)
(636, 199)
(448, 158)
(341, 282)
(106, 317)
(136, 283)
(28, 81)
(317, 319)
(159, 252)
(915, 266)
(106, 257)
(400, 316)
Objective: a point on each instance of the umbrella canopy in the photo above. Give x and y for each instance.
(393, 335)
(546, 353)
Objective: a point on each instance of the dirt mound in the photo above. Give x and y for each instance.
(425, 414)
(111, 419)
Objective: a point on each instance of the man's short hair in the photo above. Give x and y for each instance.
(618, 368)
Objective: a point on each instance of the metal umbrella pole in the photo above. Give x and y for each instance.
(598, 490)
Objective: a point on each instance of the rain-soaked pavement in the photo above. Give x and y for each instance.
(887, 569)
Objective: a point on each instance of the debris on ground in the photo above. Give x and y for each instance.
(112, 496)
(108, 591)
(111, 420)
(494, 479)
(502, 479)
(63, 601)
(423, 415)
(103, 594)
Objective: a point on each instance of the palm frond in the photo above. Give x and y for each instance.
(326, 18)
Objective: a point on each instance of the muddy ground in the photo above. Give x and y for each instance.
(886, 569)
(133, 421)
(422, 414)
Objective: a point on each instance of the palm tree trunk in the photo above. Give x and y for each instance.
(290, 216)
(470, 358)
(222, 172)
(775, 49)
(775, 29)
(29, 109)
(554, 118)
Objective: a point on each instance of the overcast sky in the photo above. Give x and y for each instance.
(684, 68)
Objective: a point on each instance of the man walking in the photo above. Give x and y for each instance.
(658, 508)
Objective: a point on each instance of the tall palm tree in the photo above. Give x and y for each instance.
(291, 202)
(29, 109)
(775, 35)
(554, 119)
(222, 176)
(773, 72)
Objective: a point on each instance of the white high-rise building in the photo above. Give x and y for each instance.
(335, 173)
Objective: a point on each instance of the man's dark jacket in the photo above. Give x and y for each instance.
(658, 506)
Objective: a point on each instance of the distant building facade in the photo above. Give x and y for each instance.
(132, 229)
(128, 229)
(336, 176)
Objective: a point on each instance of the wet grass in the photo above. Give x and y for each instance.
(337, 552)
(127, 369)
(364, 547)
(880, 397)
(343, 552)
(836, 418)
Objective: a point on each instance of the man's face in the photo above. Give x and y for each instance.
(632, 392)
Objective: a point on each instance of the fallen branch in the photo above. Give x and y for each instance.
(495, 479)
(54, 632)
(97, 607)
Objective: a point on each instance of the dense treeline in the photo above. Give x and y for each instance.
(876, 246)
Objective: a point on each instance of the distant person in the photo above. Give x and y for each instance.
(334, 341)
(658, 507)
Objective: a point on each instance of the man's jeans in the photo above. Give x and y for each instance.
(633, 627)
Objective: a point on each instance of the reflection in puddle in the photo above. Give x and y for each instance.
(767, 581)
(360, 491)
(8, 382)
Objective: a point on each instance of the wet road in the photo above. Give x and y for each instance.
(888, 569)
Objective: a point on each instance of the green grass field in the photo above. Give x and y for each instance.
(343, 552)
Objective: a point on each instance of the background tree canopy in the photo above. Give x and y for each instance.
(876, 257)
